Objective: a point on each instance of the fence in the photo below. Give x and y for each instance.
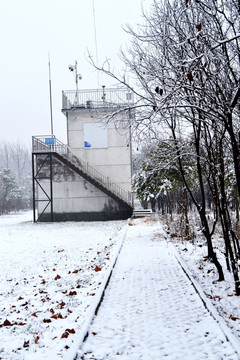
(118, 97)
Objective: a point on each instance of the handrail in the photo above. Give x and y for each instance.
(50, 143)
(97, 98)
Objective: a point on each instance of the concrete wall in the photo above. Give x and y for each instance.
(74, 198)
(114, 160)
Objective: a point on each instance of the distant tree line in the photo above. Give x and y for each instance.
(15, 177)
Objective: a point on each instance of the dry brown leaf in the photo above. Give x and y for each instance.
(199, 27)
(65, 335)
(61, 304)
(190, 77)
(70, 331)
(47, 320)
(7, 323)
(57, 316)
(71, 293)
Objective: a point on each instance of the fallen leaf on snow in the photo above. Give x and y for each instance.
(61, 304)
(65, 335)
(199, 27)
(47, 320)
(7, 323)
(57, 316)
(71, 293)
(67, 332)
(26, 344)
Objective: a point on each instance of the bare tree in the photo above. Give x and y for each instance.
(185, 63)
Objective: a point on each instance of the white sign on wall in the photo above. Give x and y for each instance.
(95, 135)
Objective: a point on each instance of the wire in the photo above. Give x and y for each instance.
(95, 36)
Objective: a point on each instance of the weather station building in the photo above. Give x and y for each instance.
(89, 178)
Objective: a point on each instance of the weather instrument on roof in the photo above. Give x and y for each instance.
(73, 68)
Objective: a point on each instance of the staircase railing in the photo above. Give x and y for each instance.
(50, 143)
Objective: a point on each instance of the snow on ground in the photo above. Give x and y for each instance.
(52, 277)
(151, 310)
(50, 274)
(221, 294)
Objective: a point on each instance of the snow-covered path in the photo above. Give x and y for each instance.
(151, 310)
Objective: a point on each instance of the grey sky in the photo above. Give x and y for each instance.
(29, 29)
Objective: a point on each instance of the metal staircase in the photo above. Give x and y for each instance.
(53, 147)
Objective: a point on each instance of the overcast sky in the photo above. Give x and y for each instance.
(30, 29)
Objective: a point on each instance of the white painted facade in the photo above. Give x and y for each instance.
(103, 145)
(90, 178)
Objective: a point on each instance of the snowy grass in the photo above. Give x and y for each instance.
(50, 276)
(193, 250)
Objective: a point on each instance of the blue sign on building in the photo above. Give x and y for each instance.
(49, 141)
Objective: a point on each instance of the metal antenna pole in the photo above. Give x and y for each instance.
(95, 36)
(76, 75)
(50, 93)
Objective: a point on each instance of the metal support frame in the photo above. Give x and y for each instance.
(36, 176)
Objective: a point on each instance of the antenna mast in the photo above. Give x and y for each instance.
(95, 36)
(50, 92)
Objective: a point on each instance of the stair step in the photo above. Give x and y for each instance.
(142, 213)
